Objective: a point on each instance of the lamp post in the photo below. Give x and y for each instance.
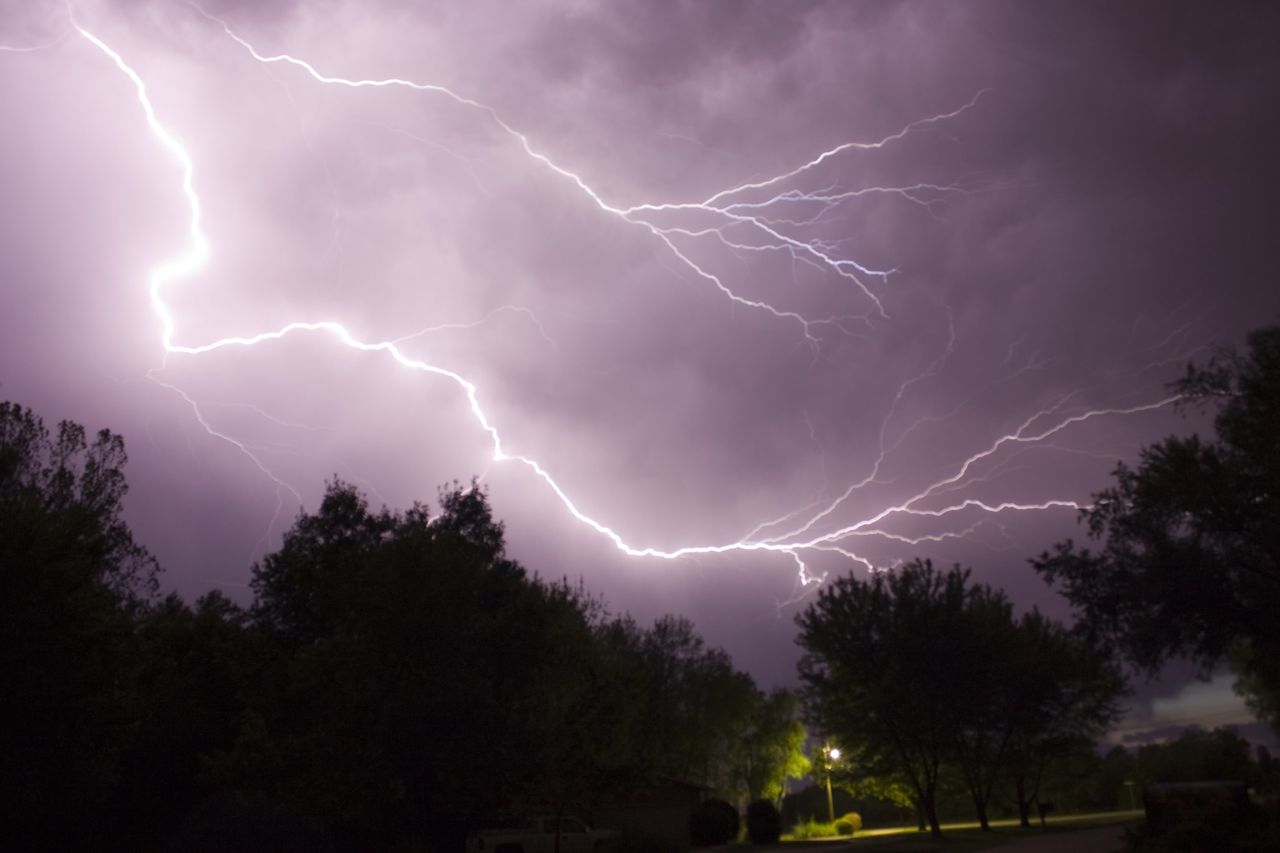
(831, 755)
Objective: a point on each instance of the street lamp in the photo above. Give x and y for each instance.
(832, 754)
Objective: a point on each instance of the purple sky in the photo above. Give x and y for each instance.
(615, 223)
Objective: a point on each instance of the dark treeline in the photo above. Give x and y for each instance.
(396, 678)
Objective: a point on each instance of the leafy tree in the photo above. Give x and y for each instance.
(414, 679)
(989, 702)
(415, 672)
(1095, 782)
(853, 778)
(189, 692)
(771, 746)
(1101, 782)
(1189, 562)
(580, 708)
(1061, 695)
(885, 661)
(695, 704)
(72, 580)
(1196, 755)
(927, 679)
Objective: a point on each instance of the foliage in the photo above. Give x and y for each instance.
(853, 775)
(848, 823)
(63, 499)
(422, 680)
(72, 580)
(714, 822)
(764, 822)
(809, 829)
(1196, 755)
(770, 747)
(922, 675)
(695, 717)
(419, 678)
(1190, 538)
(1062, 694)
(396, 677)
(803, 805)
(1091, 782)
(883, 665)
(188, 697)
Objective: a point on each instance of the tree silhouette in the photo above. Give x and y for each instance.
(884, 662)
(1190, 538)
(72, 580)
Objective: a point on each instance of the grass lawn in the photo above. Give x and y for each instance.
(965, 837)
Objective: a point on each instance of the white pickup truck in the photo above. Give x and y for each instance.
(539, 836)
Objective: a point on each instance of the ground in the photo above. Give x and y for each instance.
(1096, 833)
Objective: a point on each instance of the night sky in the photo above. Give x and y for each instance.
(746, 292)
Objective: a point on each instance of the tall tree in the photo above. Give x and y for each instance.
(188, 694)
(770, 747)
(695, 703)
(1190, 539)
(885, 660)
(1061, 695)
(415, 672)
(986, 704)
(72, 582)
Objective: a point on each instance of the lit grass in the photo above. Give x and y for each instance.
(964, 837)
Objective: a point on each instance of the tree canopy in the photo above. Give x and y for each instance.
(72, 580)
(1189, 556)
(883, 660)
(921, 675)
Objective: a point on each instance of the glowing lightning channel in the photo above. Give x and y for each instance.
(805, 533)
(846, 268)
(197, 255)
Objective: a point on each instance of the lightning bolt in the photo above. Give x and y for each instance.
(767, 220)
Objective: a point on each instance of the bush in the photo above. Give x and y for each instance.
(764, 823)
(848, 824)
(713, 822)
(811, 829)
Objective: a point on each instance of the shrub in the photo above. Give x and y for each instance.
(811, 828)
(713, 822)
(848, 824)
(764, 823)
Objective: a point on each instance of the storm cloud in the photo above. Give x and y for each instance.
(1096, 210)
